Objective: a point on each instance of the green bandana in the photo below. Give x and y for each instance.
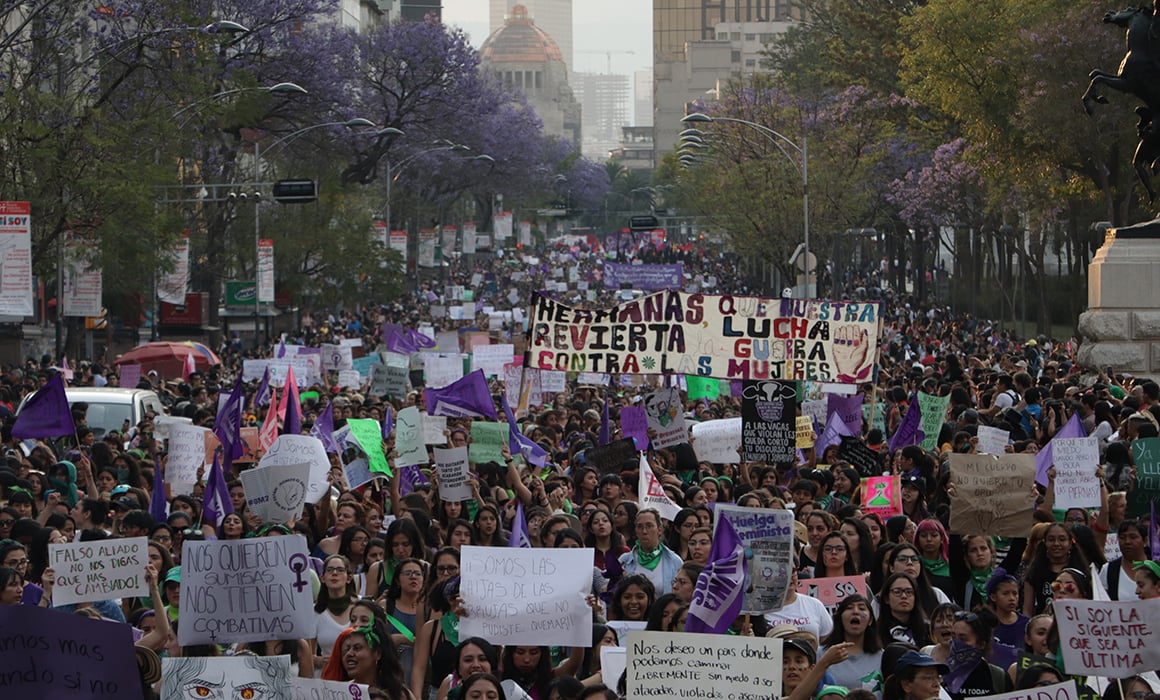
(979, 580)
(649, 560)
(449, 623)
(936, 566)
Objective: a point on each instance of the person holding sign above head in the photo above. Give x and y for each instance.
(649, 556)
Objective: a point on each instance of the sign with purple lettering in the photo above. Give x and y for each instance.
(768, 426)
(245, 591)
(650, 278)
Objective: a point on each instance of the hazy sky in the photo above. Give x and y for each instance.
(597, 25)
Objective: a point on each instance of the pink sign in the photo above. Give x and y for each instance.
(832, 591)
(882, 495)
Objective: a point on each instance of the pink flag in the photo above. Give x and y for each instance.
(188, 368)
(269, 431)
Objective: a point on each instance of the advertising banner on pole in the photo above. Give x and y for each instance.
(398, 242)
(82, 278)
(266, 271)
(469, 238)
(503, 225)
(15, 259)
(171, 285)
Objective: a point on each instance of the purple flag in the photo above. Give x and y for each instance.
(262, 395)
(605, 428)
(228, 426)
(323, 429)
(519, 537)
(1073, 428)
(833, 434)
(46, 413)
(634, 424)
(158, 505)
(468, 397)
(420, 341)
(398, 339)
(909, 431)
(849, 408)
(217, 495)
(388, 423)
(281, 349)
(717, 597)
(411, 478)
(521, 444)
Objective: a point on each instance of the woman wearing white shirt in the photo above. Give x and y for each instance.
(332, 610)
(804, 612)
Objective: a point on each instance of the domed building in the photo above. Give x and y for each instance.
(525, 57)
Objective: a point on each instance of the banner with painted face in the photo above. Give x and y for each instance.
(722, 336)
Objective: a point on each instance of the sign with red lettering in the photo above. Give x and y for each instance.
(1109, 638)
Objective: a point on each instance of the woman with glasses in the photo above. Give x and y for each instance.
(686, 581)
(1134, 688)
(680, 530)
(972, 630)
(332, 609)
(837, 557)
(901, 618)
(405, 610)
(1039, 676)
(906, 559)
(916, 677)
(13, 555)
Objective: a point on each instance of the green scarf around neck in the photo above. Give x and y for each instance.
(937, 566)
(649, 560)
(979, 580)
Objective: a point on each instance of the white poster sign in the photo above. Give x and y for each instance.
(654, 496)
(1109, 638)
(336, 358)
(553, 382)
(350, 378)
(683, 665)
(527, 596)
(409, 443)
(186, 453)
(492, 358)
(717, 441)
(276, 492)
(1076, 485)
(502, 225)
(453, 472)
(993, 441)
(83, 282)
(15, 259)
(171, 285)
(99, 570)
(441, 369)
(768, 539)
(300, 449)
(666, 416)
(246, 590)
(434, 429)
(318, 689)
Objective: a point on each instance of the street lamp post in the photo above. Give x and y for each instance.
(781, 142)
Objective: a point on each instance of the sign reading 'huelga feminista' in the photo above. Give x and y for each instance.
(722, 336)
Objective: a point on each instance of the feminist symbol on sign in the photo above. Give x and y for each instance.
(355, 691)
(298, 565)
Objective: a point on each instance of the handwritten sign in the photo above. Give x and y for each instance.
(818, 412)
(882, 495)
(487, 441)
(453, 472)
(276, 492)
(717, 441)
(336, 358)
(1059, 691)
(245, 590)
(832, 590)
(301, 449)
(1109, 638)
(666, 417)
(768, 411)
(527, 596)
(387, 380)
(491, 358)
(349, 378)
(434, 428)
(767, 536)
(992, 494)
(803, 432)
(1076, 485)
(227, 677)
(54, 655)
(1146, 457)
(409, 438)
(613, 457)
(732, 337)
(369, 435)
(993, 441)
(318, 689)
(934, 412)
(99, 570)
(716, 666)
(186, 453)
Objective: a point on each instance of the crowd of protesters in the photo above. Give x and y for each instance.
(386, 587)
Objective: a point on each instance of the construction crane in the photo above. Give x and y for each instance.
(609, 55)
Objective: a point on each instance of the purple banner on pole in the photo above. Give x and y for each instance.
(651, 278)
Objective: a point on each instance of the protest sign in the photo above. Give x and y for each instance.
(245, 590)
(1076, 460)
(1109, 638)
(336, 358)
(613, 457)
(702, 387)
(527, 596)
(653, 493)
(129, 375)
(717, 441)
(487, 441)
(767, 536)
(491, 358)
(832, 590)
(366, 364)
(992, 494)
(613, 660)
(860, 456)
(592, 379)
(708, 335)
(934, 411)
(874, 415)
(357, 472)
(993, 441)
(666, 417)
(716, 666)
(265, 677)
(453, 472)
(186, 453)
(54, 655)
(349, 378)
(848, 409)
(817, 410)
(882, 495)
(387, 380)
(434, 429)
(369, 435)
(803, 432)
(98, 570)
(409, 438)
(650, 277)
(299, 449)
(439, 369)
(276, 492)
(553, 382)
(318, 689)
(768, 411)
(634, 424)
(1146, 457)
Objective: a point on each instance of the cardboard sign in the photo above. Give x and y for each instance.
(768, 419)
(992, 494)
(487, 441)
(434, 429)
(666, 417)
(613, 457)
(1109, 638)
(717, 441)
(934, 412)
(683, 665)
(453, 472)
(227, 677)
(832, 590)
(491, 358)
(245, 590)
(1076, 460)
(803, 432)
(768, 539)
(993, 441)
(302, 449)
(527, 596)
(276, 492)
(54, 655)
(387, 380)
(99, 570)
(409, 438)
(882, 495)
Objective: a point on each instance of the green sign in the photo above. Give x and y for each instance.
(368, 434)
(239, 293)
(1146, 455)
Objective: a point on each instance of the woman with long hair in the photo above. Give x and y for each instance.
(686, 580)
(971, 629)
(817, 523)
(877, 529)
(633, 598)
(531, 668)
(438, 639)
(857, 535)
(700, 544)
(942, 631)
(336, 596)
(1055, 553)
(624, 520)
(979, 557)
(403, 542)
(367, 657)
(906, 559)
(901, 618)
(473, 655)
(837, 557)
(233, 527)
(847, 489)
(854, 623)
(604, 539)
(488, 529)
(680, 530)
(934, 547)
(353, 546)
(405, 609)
(585, 481)
(590, 672)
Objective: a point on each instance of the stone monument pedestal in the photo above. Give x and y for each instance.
(1121, 327)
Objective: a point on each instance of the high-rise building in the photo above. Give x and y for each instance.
(677, 22)
(642, 97)
(553, 16)
(604, 103)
